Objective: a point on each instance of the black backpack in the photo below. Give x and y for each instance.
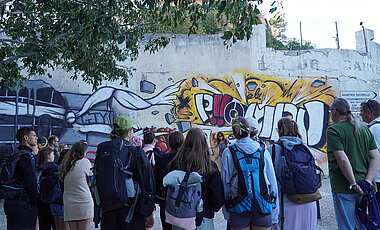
(161, 169)
(49, 184)
(9, 187)
(123, 177)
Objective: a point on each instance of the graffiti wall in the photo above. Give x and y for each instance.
(196, 82)
(208, 102)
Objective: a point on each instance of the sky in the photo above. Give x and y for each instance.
(318, 20)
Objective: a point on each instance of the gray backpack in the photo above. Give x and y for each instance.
(183, 198)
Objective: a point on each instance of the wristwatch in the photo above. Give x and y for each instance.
(353, 185)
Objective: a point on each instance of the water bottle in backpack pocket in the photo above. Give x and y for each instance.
(115, 180)
(299, 176)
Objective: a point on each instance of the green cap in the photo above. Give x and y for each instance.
(123, 123)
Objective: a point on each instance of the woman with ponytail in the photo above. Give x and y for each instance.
(353, 156)
(242, 211)
(296, 216)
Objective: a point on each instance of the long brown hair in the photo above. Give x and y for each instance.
(288, 127)
(76, 152)
(42, 158)
(194, 154)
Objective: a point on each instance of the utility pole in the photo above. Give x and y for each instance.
(301, 35)
(365, 39)
(337, 35)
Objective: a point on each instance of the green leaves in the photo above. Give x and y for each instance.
(91, 38)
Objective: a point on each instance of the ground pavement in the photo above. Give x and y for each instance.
(327, 221)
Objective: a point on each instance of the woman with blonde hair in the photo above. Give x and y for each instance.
(248, 180)
(77, 200)
(194, 156)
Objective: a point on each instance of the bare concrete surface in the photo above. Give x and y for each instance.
(327, 221)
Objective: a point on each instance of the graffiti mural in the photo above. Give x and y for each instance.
(212, 102)
(71, 116)
(208, 102)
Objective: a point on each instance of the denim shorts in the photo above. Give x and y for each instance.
(240, 222)
(57, 210)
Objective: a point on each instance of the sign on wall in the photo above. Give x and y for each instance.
(356, 98)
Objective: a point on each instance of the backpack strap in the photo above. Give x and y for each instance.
(182, 188)
(282, 220)
(139, 168)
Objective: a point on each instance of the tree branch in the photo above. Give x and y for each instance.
(16, 57)
(61, 35)
(5, 2)
(19, 42)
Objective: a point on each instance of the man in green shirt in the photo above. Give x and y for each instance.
(352, 156)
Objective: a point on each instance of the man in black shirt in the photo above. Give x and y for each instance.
(21, 211)
(53, 143)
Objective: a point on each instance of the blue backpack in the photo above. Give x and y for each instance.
(298, 171)
(252, 198)
(368, 211)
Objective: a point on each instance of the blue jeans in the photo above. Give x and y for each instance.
(344, 206)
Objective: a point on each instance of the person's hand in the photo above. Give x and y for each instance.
(369, 182)
(149, 222)
(358, 189)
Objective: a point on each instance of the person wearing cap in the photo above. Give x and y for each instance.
(41, 142)
(254, 125)
(352, 156)
(370, 113)
(119, 215)
(122, 129)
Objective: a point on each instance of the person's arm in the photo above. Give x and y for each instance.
(374, 165)
(27, 172)
(272, 183)
(345, 167)
(227, 167)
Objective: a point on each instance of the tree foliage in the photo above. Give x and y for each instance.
(90, 38)
(276, 38)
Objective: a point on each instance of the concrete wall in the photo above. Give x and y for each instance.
(196, 81)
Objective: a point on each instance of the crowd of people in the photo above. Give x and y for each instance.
(257, 186)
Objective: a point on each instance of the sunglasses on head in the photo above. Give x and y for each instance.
(366, 103)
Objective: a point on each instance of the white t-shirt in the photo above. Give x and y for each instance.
(375, 130)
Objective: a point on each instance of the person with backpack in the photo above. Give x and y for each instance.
(161, 169)
(370, 113)
(45, 216)
(194, 185)
(352, 156)
(20, 204)
(149, 140)
(298, 193)
(75, 171)
(48, 179)
(249, 181)
(124, 187)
